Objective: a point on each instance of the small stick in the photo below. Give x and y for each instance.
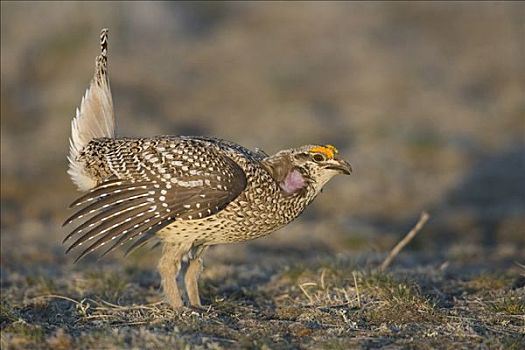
(410, 235)
(57, 297)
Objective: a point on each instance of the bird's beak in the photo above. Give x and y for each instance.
(342, 166)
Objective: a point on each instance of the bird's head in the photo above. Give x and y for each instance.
(307, 168)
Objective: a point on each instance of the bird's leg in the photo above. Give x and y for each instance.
(169, 266)
(193, 271)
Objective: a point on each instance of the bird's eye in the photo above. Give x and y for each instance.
(318, 157)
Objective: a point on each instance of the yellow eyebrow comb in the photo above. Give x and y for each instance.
(328, 150)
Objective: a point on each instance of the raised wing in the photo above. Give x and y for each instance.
(158, 184)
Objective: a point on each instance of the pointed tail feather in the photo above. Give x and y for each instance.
(94, 119)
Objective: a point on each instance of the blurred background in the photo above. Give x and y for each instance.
(426, 101)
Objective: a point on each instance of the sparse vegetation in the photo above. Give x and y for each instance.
(327, 303)
(510, 304)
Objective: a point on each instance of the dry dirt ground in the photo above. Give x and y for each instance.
(268, 296)
(426, 100)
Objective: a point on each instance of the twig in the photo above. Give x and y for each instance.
(55, 296)
(397, 249)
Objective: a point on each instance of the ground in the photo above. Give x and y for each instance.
(293, 300)
(425, 100)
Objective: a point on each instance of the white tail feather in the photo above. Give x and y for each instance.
(94, 119)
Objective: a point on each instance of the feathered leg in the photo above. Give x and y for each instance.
(191, 278)
(169, 267)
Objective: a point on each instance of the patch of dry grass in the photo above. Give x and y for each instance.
(327, 302)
